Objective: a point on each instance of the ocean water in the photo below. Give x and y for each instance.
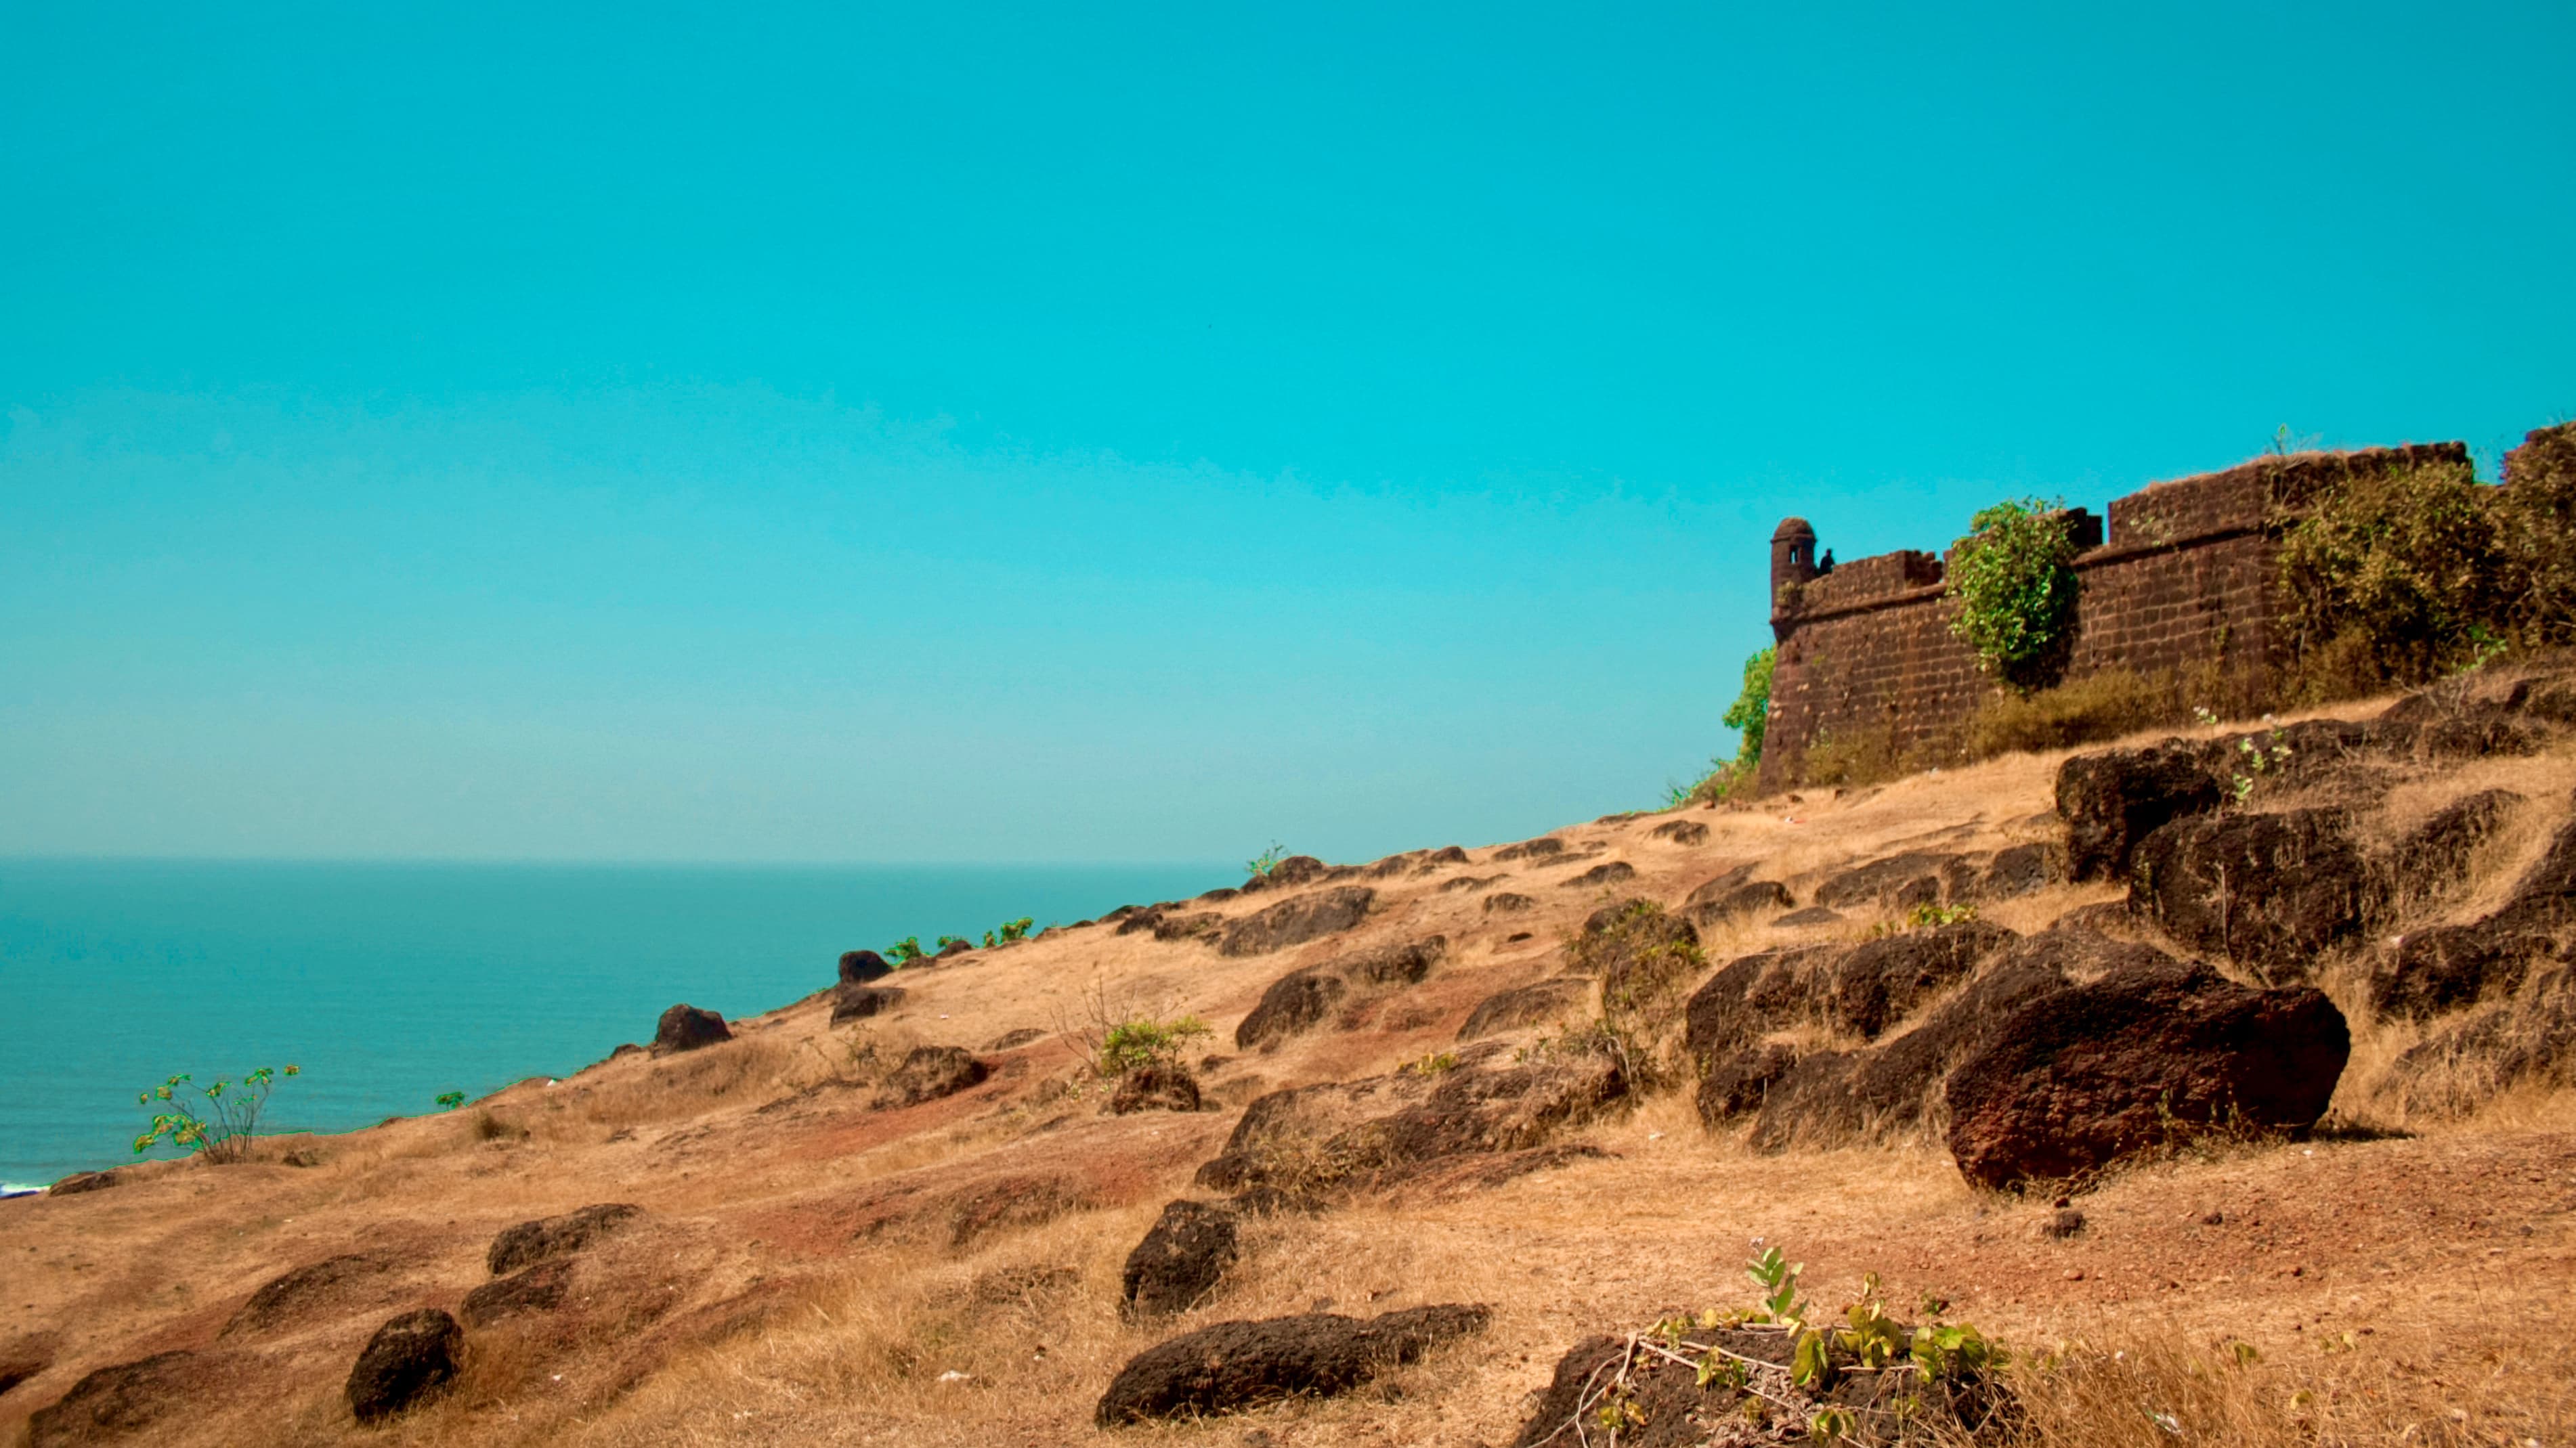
(391, 983)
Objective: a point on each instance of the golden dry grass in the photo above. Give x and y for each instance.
(819, 1289)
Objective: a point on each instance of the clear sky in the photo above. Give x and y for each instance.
(948, 432)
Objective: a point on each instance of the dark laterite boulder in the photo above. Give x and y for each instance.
(1754, 995)
(1504, 902)
(1538, 1004)
(2436, 857)
(1012, 1040)
(1899, 882)
(121, 1402)
(409, 1358)
(863, 967)
(2021, 870)
(858, 1002)
(2111, 801)
(1379, 1130)
(1811, 916)
(1879, 982)
(1544, 848)
(1158, 1086)
(1289, 874)
(929, 1073)
(2084, 1077)
(1233, 1366)
(84, 1181)
(2450, 968)
(1739, 1082)
(532, 1289)
(2529, 1038)
(1180, 1260)
(529, 1242)
(1296, 921)
(1754, 897)
(1834, 1097)
(285, 1298)
(1602, 876)
(1675, 1407)
(2270, 891)
(1681, 832)
(686, 1028)
(1301, 999)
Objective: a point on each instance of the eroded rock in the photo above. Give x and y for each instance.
(859, 1002)
(1178, 1263)
(2271, 891)
(1301, 999)
(687, 1028)
(289, 1296)
(1298, 920)
(2110, 801)
(1156, 1086)
(1540, 1003)
(1237, 1365)
(410, 1358)
(928, 1073)
(2084, 1077)
(539, 1288)
(530, 1242)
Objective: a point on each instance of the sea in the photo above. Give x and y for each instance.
(390, 984)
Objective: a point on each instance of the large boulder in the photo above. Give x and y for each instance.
(853, 1002)
(531, 1289)
(1833, 1097)
(529, 1242)
(1899, 882)
(2448, 968)
(409, 1359)
(1288, 874)
(1301, 999)
(863, 967)
(2270, 891)
(1666, 1401)
(1233, 1366)
(2081, 1078)
(126, 1400)
(1297, 920)
(1539, 1003)
(929, 1073)
(1178, 1263)
(686, 1028)
(1880, 981)
(84, 1181)
(2438, 856)
(1739, 1082)
(1311, 1140)
(1755, 995)
(2528, 1038)
(2110, 801)
(1155, 1086)
(291, 1296)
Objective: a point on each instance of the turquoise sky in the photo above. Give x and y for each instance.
(1088, 433)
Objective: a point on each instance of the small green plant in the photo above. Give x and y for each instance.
(2260, 759)
(1433, 1064)
(1928, 916)
(1260, 865)
(1749, 716)
(1010, 930)
(905, 951)
(946, 941)
(222, 1129)
(2014, 579)
(1138, 1042)
(450, 1100)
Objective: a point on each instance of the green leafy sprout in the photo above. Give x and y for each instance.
(220, 1129)
(1260, 865)
(450, 1100)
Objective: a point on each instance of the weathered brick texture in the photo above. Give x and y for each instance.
(2186, 582)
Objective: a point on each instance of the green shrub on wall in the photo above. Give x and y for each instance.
(2014, 578)
(2396, 578)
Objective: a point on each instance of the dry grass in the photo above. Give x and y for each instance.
(827, 1302)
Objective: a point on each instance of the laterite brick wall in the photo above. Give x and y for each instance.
(2184, 582)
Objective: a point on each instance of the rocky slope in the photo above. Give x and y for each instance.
(2238, 1061)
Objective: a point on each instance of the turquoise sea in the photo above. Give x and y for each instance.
(391, 983)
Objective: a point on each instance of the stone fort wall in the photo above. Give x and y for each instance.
(2185, 582)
